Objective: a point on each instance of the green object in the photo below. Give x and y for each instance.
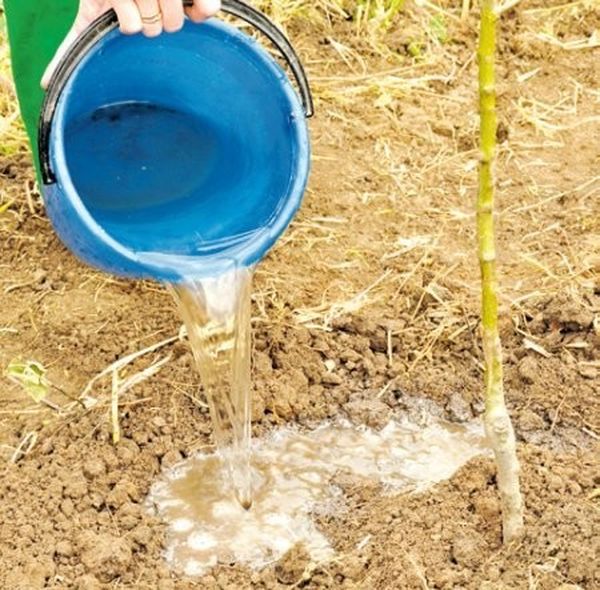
(35, 30)
(438, 28)
(498, 425)
(31, 376)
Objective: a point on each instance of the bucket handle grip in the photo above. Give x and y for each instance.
(108, 21)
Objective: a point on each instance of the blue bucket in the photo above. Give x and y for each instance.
(181, 156)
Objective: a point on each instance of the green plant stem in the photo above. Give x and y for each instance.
(498, 425)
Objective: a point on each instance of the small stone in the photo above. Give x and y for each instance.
(488, 508)
(478, 407)
(258, 406)
(127, 451)
(64, 548)
(354, 568)
(528, 370)
(282, 408)
(371, 412)
(166, 585)
(529, 421)
(141, 437)
(568, 315)
(142, 535)
(159, 422)
(467, 549)
(27, 531)
(555, 483)
(129, 515)
(331, 379)
(588, 372)
(77, 488)
(350, 355)
(96, 499)
(369, 367)
(117, 497)
(123, 491)
(330, 365)
(105, 556)
(67, 507)
(171, 458)
(33, 575)
(103, 519)
(379, 342)
(110, 458)
(47, 447)
(458, 409)
(94, 467)
(494, 573)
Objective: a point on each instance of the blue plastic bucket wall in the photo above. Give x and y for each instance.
(176, 157)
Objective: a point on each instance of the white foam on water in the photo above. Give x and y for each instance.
(182, 525)
(293, 478)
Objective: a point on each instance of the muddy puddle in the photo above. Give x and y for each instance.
(293, 479)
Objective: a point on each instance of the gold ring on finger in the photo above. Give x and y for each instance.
(152, 20)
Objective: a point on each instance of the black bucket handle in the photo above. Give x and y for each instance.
(108, 21)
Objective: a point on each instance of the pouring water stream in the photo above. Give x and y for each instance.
(216, 312)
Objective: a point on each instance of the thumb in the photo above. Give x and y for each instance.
(60, 52)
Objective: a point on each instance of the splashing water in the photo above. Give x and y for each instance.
(216, 312)
(294, 476)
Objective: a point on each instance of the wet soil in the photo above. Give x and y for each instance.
(367, 310)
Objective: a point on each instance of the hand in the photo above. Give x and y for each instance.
(150, 17)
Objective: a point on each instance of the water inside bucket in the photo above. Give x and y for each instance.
(143, 168)
(152, 156)
(166, 182)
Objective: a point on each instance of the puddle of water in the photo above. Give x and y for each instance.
(216, 312)
(292, 475)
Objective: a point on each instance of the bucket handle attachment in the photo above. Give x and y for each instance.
(108, 21)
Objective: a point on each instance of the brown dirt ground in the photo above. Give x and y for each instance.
(378, 274)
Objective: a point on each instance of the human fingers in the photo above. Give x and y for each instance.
(151, 17)
(130, 20)
(172, 15)
(203, 9)
(62, 49)
(89, 10)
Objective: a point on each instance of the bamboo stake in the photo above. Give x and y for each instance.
(498, 425)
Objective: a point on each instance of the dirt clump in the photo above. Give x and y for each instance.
(105, 556)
